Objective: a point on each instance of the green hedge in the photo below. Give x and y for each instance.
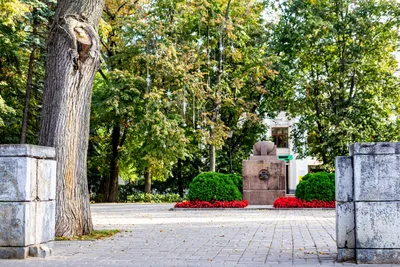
(237, 180)
(153, 198)
(317, 186)
(209, 186)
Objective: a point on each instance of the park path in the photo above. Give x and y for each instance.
(153, 235)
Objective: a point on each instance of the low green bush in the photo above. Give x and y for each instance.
(316, 186)
(209, 186)
(153, 198)
(237, 180)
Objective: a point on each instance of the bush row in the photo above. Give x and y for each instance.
(212, 204)
(212, 186)
(153, 198)
(316, 186)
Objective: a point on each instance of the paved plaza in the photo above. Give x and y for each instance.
(153, 235)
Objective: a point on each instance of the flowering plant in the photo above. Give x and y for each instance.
(212, 204)
(292, 202)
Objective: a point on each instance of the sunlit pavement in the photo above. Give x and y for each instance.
(153, 235)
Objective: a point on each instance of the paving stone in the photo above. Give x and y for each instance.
(267, 237)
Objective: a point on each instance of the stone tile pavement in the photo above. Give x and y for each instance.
(155, 236)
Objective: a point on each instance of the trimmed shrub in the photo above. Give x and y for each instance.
(237, 180)
(153, 198)
(212, 186)
(215, 204)
(317, 186)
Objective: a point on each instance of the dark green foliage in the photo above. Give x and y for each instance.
(153, 198)
(210, 186)
(237, 180)
(317, 186)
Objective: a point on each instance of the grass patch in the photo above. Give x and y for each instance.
(95, 235)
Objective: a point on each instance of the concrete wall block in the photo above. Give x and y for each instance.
(17, 224)
(344, 179)
(27, 151)
(377, 225)
(376, 177)
(345, 234)
(345, 254)
(378, 256)
(47, 179)
(18, 179)
(45, 226)
(382, 148)
(14, 253)
(40, 251)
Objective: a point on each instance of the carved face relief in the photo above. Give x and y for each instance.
(263, 175)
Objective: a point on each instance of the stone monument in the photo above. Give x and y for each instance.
(264, 178)
(368, 204)
(27, 201)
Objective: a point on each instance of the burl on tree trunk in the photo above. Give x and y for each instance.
(73, 58)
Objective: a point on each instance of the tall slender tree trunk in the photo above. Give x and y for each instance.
(28, 95)
(113, 195)
(147, 181)
(31, 66)
(73, 58)
(211, 152)
(180, 180)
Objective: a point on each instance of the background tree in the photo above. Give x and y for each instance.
(337, 70)
(72, 61)
(24, 27)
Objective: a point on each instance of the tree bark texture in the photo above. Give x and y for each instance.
(73, 58)
(180, 180)
(147, 181)
(211, 152)
(29, 80)
(31, 65)
(113, 193)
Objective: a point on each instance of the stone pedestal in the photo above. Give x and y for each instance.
(263, 176)
(368, 204)
(27, 201)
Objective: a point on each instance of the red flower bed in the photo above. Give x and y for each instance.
(212, 204)
(292, 202)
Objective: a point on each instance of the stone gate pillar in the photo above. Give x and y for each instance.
(27, 201)
(368, 204)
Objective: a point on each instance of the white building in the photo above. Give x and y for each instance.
(279, 133)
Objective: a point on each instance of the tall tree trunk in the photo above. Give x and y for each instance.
(147, 181)
(73, 58)
(28, 95)
(180, 181)
(31, 66)
(211, 152)
(113, 195)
